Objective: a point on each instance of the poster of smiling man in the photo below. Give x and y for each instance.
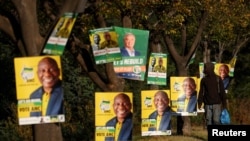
(39, 90)
(184, 95)
(155, 112)
(113, 116)
(133, 45)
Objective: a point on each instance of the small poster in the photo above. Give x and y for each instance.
(104, 43)
(59, 37)
(39, 90)
(224, 66)
(184, 95)
(133, 44)
(113, 116)
(155, 104)
(157, 69)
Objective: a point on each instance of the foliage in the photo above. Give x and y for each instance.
(79, 101)
(9, 122)
(239, 88)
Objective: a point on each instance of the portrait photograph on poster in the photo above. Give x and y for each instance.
(157, 69)
(60, 34)
(155, 112)
(113, 116)
(104, 43)
(133, 45)
(184, 95)
(39, 90)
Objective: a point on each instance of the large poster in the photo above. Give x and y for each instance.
(184, 95)
(155, 104)
(59, 37)
(134, 46)
(157, 69)
(113, 116)
(39, 90)
(104, 43)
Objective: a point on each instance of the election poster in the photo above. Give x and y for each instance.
(133, 44)
(157, 69)
(39, 89)
(60, 34)
(113, 115)
(155, 112)
(104, 43)
(184, 95)
(226, 67)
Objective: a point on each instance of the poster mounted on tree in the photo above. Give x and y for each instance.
(157, 69)
(60, 34)
(224, 70)
(104, 43)
(113, 116)
(155, 104)
(39, 90)
(184, 95)
(134, 47)
(224, 66)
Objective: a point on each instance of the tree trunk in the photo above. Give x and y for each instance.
(47, 132)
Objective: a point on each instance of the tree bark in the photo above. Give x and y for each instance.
(47, 132)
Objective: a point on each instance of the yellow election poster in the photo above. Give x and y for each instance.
(113, 116)
(39, 89)
(157, 69)
(60, 34)
(154, 104)
(184, 95)
(217, 68)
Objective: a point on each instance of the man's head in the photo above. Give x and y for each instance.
(122, 106)
(223, 71)
(69, 21)
(189, 86)
(153, 61)
(160, 61)
(161, 101)
(97, 38)
(48, 73)
(107, 36)
(129, 41)
(208, 68)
